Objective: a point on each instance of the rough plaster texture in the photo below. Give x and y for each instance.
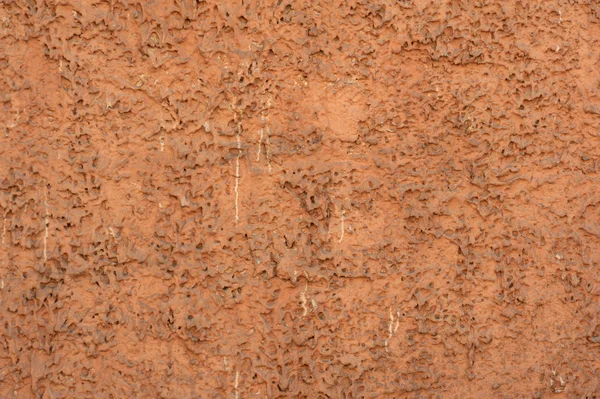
(306, 199)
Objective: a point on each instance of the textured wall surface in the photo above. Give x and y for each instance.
(307, 199)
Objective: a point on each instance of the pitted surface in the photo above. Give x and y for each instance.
(268, 199)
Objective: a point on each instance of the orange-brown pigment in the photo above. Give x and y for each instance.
(299, 199)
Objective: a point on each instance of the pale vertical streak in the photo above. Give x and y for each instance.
(46, 222)
(260, 139)
(237, 378)
(342, 227)
(237, 174)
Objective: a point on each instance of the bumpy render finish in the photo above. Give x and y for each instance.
(299, 199)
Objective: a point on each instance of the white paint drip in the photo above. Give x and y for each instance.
(392, 328)
(237, 378)
(260, 139)
(162, 143)
(46, 223)
(237, 175)
(342, 227)
(303, 300)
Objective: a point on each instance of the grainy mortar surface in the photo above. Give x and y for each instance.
(307, 199)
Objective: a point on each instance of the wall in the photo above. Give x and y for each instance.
(250, 199)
